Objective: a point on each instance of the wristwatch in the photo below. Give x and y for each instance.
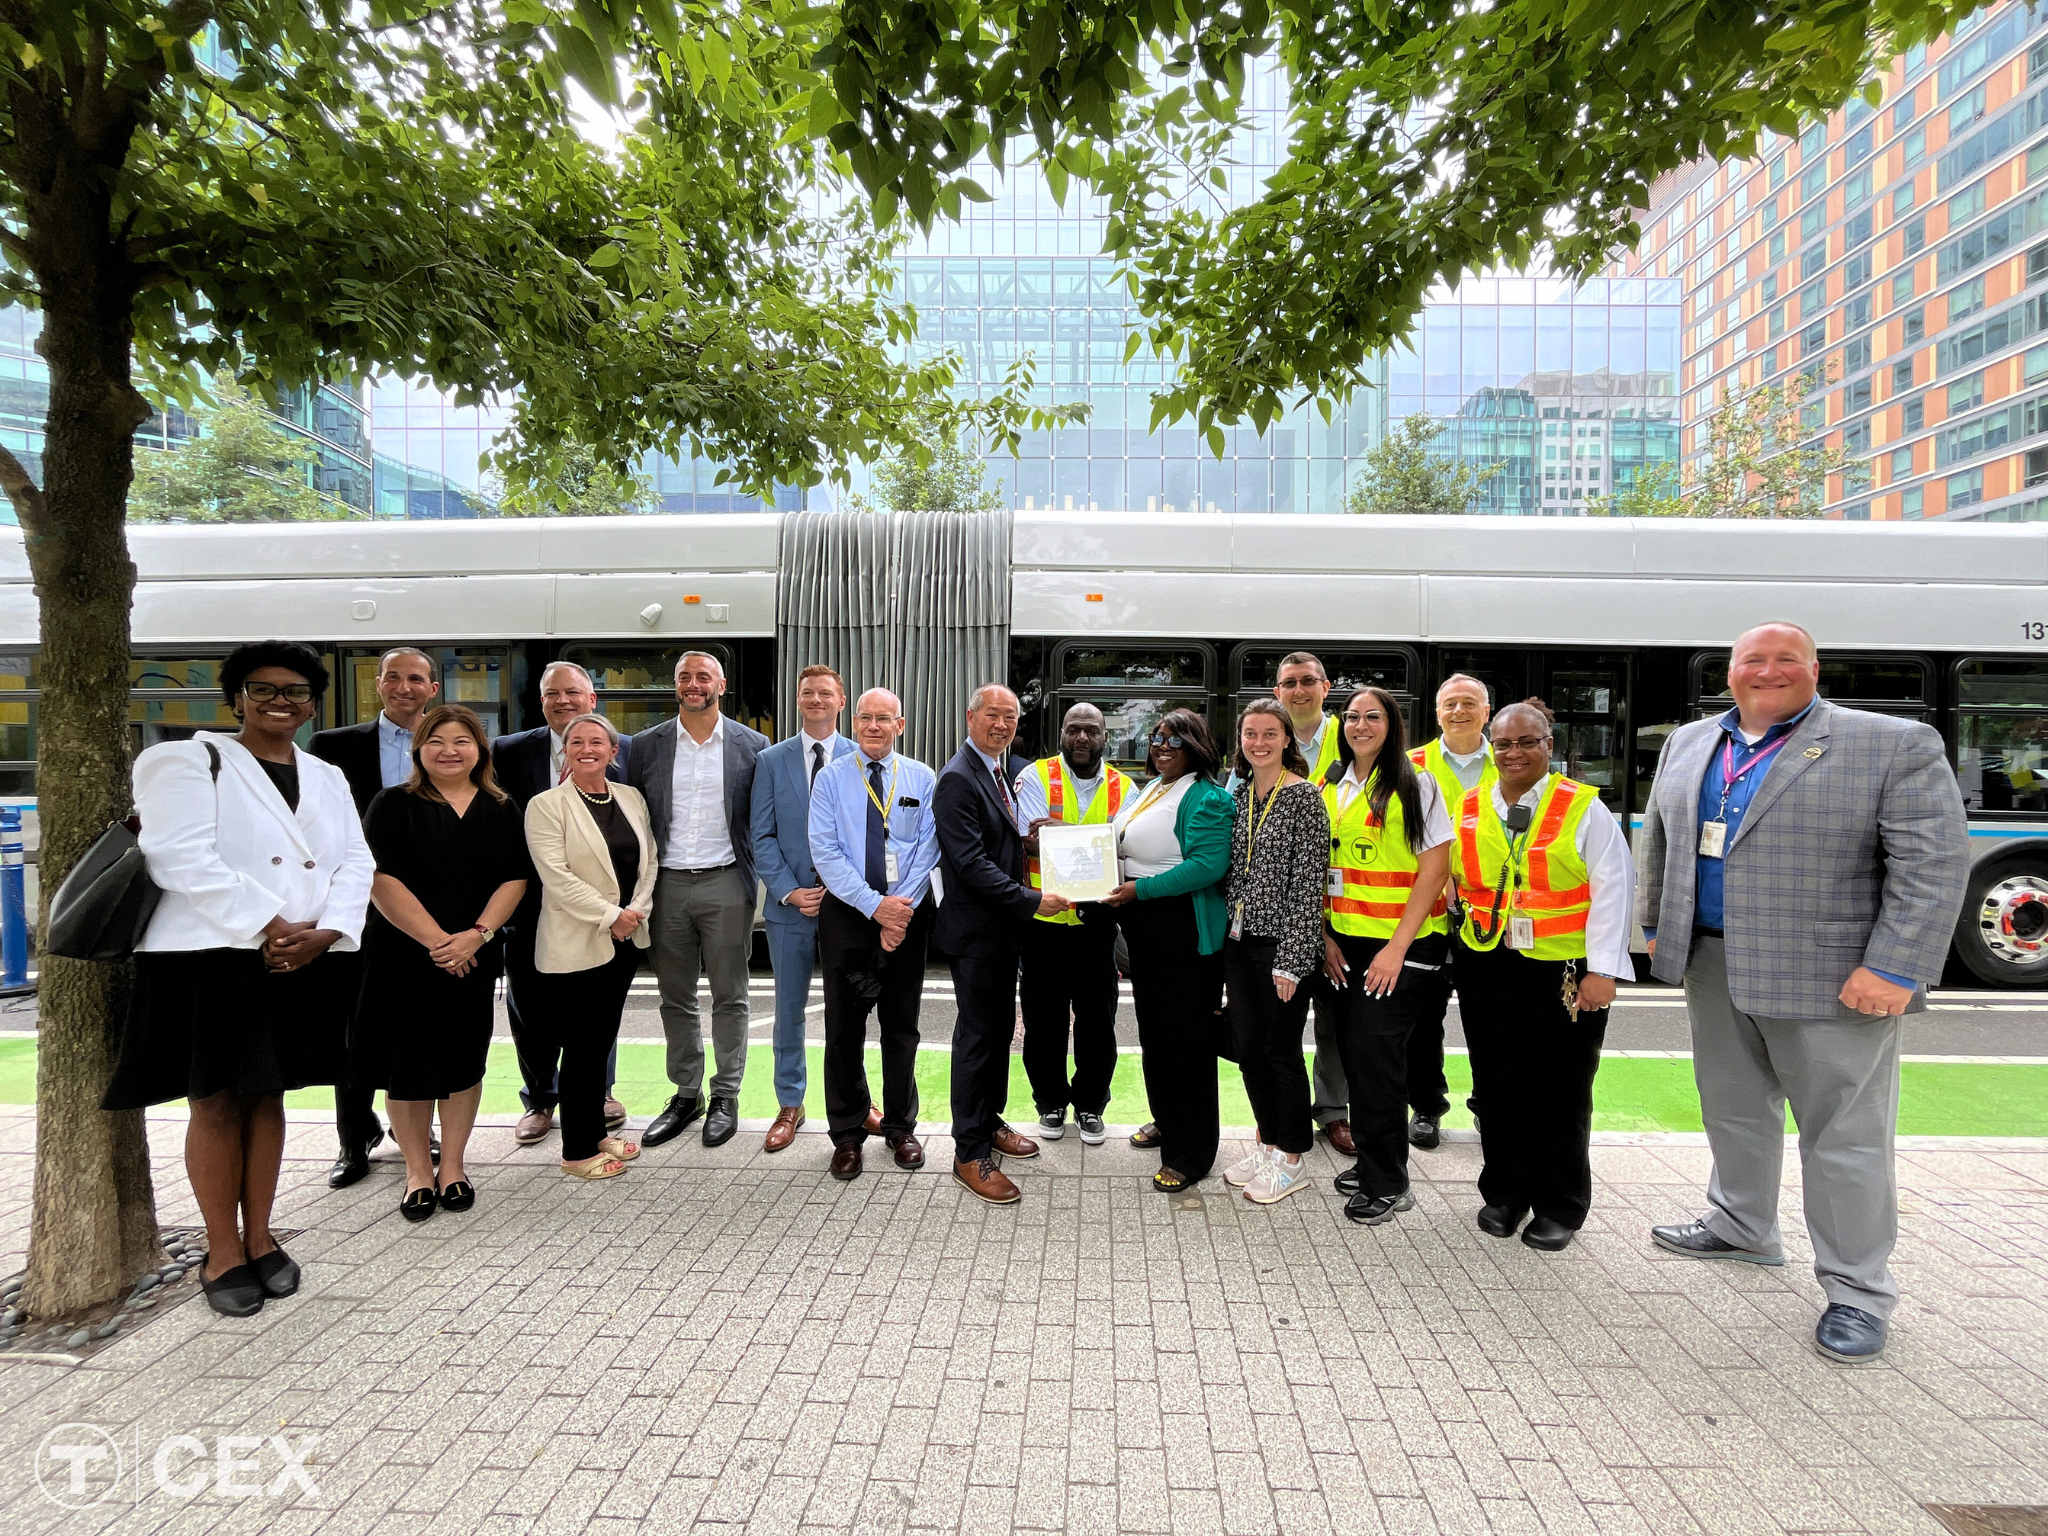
(488, 933)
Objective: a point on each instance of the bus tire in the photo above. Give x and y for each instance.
(2002, 935)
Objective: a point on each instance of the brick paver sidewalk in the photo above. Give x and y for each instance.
(722, 1340)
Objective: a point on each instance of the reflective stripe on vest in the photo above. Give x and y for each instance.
(1377, 867)
(1556, 891)
(1108, 801)
(1430, 759)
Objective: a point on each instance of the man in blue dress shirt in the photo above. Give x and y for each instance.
(874, 845)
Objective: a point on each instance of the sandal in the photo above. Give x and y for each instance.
(602, 1166)
(1169, 1181)
(1147, 1135)
(419, 1204)
(624, 1151)
(458, 1196)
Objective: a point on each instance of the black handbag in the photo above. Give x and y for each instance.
(104, 905)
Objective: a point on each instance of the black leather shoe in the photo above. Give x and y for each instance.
(1848, 1336)
(1371, 1210)
(1424, 1133)
(420, 1204)
(236, 1293)
(1499, 1220)
(351, 1167)
(276, 1272)
(1547, 1235)
(1692, 1239)
(459, 1196)
(676, 1117)
(1346, 1183)
(721, 1119)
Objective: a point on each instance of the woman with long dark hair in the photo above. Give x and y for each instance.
(1279, 850)
(1386, 936)
(1173, 850)
(451, 867)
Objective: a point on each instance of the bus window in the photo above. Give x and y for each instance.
(1133, 686)
(1144, 668)
(1258, 668)
(1130, 723)
(636, 685)
(2002, 734)
(1892, 685)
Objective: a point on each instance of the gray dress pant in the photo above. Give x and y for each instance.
(703, 926)
(1841, 1077)
(1332, 1094)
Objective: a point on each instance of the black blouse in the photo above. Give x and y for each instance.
(452, 864)
(286, 777)
(1282, 892)
(620, 840)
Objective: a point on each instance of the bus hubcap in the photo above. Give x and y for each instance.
(2014, 920)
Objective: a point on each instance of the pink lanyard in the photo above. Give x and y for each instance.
(1731, 776)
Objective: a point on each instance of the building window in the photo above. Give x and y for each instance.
(1813, 221)
(1856, 355)
(1856, 397)
(1966, 394)
(1777, 247)
(1910, 502)
(1916, 325)
(1902, 288)
(1966, 300)
(1856, 439)
(1856, 271)
(1902, 201)
(1859, 145)
(1916, 234)
(1966, 111)
(1812, 300)
(1813, 259)
(1914, 416)
(1902, 462)
(2037, 466)
(1767, 290)
(1859, 229)
(1902, 375)
(1916, 147)
(2036, 364)
(1966, 489)
(1902, 112)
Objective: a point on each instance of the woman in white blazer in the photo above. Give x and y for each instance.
(593, 848)
(243, 981)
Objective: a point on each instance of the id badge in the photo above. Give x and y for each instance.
(1521, 931)
(1336, 883)
(1713, 838)
(889, 859)
(1237, 922)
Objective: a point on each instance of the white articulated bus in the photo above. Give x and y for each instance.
(1621, 626)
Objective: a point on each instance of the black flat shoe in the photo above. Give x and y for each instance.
(419, 1204)
(236, 1293)
(459, 1196)
(1499, 1220)
(277, 1273)
(1547, 1235)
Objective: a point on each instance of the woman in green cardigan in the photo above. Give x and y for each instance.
(1173, 842)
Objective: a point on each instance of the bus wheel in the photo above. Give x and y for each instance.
(2002, 935)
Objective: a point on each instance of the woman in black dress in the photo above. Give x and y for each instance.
(243, 979)
(451, 867)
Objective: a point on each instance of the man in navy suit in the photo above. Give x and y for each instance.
(527, 763)
(697, 773)
(783, 776)
(980, 929)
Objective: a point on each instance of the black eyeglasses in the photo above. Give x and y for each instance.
(263, 693)
(1171, 743)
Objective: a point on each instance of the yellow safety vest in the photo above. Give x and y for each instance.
(1326, 754)
(1544, 876)
(1060, 805)
(1430, 760)
(1372, 869)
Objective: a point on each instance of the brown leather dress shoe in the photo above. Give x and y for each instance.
(783, 1131)
(873, 1124)
(985, 1181)
(846, 1160)
(1010, 1144)
(909, 1152)
(1339, 1132)
(533, 1126)
(614, 1117)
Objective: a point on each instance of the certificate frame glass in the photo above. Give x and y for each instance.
(1078, 863)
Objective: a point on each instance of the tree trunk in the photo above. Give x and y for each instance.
(94, 1226)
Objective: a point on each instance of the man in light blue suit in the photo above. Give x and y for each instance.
(783, 776)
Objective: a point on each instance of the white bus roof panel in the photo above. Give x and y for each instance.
(1175, 603)
(348, 611)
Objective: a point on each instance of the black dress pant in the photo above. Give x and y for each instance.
(1533, 1064)
(862, 977)
(1267, 1033)
(1375, 1040)
(1070, 973)
(1176, 990)
(985, 993)
(523, 989)
(580, 1019)
(1429, 1092)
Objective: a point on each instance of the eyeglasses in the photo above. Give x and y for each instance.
(1171, 743)
(874, 719)
(1522, 744)
(263, 693)
(1301, 682)
(1375, 718)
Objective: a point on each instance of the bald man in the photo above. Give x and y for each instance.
(1802, 866)
(1069, 972)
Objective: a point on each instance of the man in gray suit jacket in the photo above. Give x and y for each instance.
(697, 773)
(1801, 867)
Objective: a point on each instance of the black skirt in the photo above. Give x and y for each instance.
(204, 1021)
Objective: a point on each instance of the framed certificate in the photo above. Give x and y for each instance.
(1078, 863)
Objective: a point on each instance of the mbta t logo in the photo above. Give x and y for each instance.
(79, 1465)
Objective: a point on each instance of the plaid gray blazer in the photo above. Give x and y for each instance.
(1853, 852)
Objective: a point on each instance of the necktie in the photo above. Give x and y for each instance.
(878, 847)
(817, 760)
(1003, 793)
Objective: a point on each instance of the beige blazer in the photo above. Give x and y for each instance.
(579, 898)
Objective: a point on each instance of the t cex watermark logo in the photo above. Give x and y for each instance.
(79, 1465)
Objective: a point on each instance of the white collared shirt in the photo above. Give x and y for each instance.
(1612, 874)
(1436, 820)
(698, 837)
(812, 767)
(557, 759)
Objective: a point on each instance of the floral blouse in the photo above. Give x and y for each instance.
(1280, 895)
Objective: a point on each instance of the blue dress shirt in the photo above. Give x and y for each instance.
(839, 829)
(394, 751)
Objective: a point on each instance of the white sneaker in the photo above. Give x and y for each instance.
(1276, 1181)
(1093, 1132)
(1248, 1167)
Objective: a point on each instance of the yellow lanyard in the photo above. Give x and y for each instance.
(1251, 840)
(1157, 791)
(868, 784)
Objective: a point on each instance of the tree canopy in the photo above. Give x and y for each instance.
(1427, 141)
(1403, 474)
(939, 473)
